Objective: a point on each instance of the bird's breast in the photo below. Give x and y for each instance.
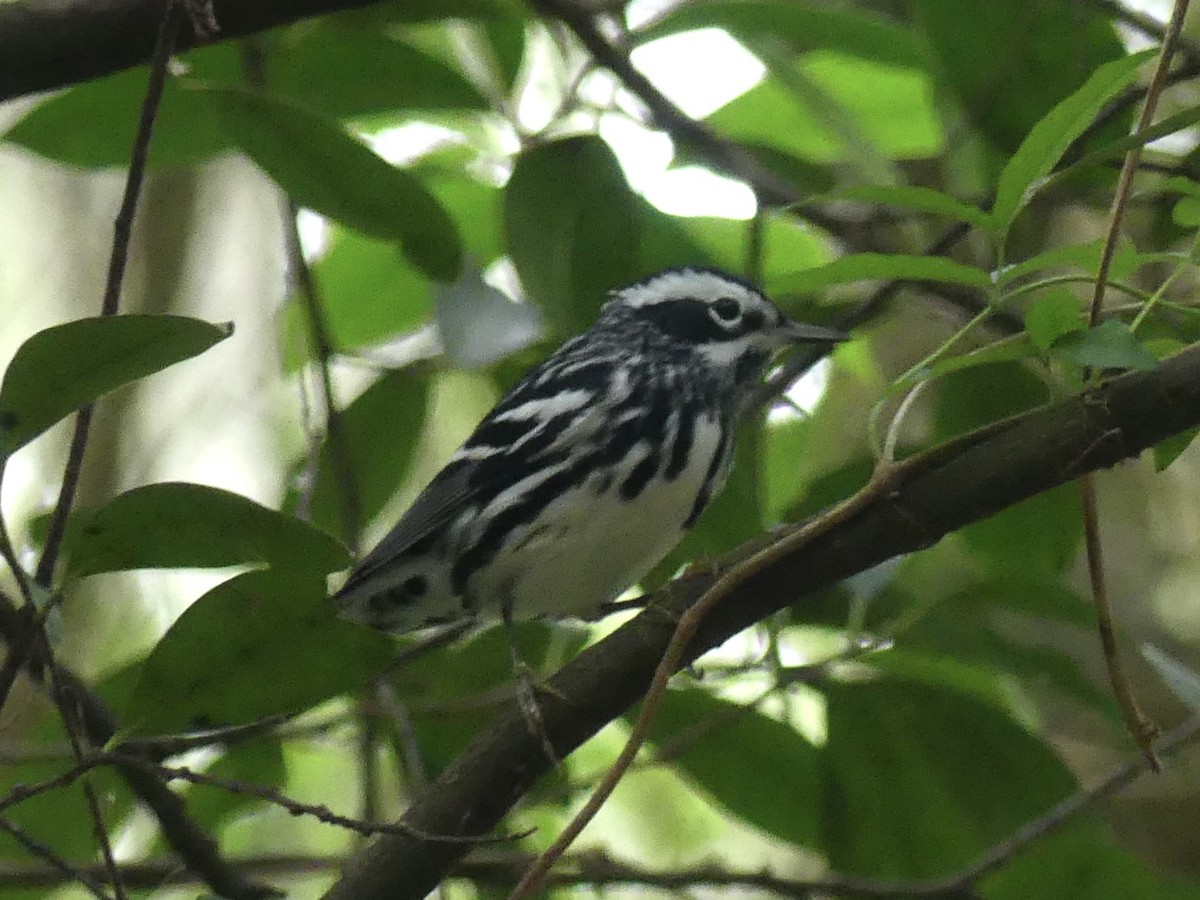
(604, 534)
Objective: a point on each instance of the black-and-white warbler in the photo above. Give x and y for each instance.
(583, 477)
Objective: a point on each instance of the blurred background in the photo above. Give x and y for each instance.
(983, 700)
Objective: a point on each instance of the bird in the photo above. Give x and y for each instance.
(590, 469)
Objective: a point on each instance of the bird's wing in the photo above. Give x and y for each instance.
(467, 479)
(443, 499)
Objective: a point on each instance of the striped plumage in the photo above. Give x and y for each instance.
(590, 469)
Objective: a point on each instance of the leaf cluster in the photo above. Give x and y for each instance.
(500, 229)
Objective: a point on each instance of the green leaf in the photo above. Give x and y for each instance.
(914, 197)
(1116, 149)
(955, 644)
(1009, 350)
(1166, 452)
(806, 177)
(1044, 146)
(356, 72)
(369, 292)
(1186, 212)
(889, 109)
(883, 266)
(1052, 316)
(720, 732)
(60, 817)
(382, 427)
(186, 130)
(419, 11)
(1073, 256)
(940, 669)
(800, 28)
(483, 660)
(175, 525)
(785, 245)
(1082, 861)
(1110, 345)
(440, 681)
(325, 169)
(1178, 184)
(66, 367)
(570, 227)
(506, 39)
(898, 746)
(257, 762)
(477, 210)
(261, 644)
(480, 326)
(975, 395)
(1026, 594)
(1038, 537)
(1006, 60)
(1183, 681)
(786, 442)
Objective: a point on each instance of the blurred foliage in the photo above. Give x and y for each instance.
(438, 144)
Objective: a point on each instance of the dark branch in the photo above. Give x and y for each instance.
(50, 45)
(935, 494)
(161, 873)
(197, 850)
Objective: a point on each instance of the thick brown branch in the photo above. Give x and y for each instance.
(46, 45)
(933, 495)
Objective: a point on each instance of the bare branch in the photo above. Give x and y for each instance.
(52, 45)
(69, 872)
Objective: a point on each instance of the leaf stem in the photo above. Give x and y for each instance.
(168, 32)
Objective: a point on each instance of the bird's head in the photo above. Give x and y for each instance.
(725, 319)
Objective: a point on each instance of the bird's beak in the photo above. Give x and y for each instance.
(796, 332)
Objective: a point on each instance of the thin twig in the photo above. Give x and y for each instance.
(19, 793)
(86, 764)
(1132, 158)
(796, 365)
(197, 850)
(74, 728)
(118, 258)
(404, 735)
(162, 872)
(1140, 728)
(297, 808)
(193, 845)
(172, 21)
(368, 761)
(72, 873)
(20, 641)
(1070, 808)
(1147, 25)
(203, 18)
(338, 445)
(231, 735)
(724, 155)
(320, 339)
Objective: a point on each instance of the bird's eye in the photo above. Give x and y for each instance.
(727, 309)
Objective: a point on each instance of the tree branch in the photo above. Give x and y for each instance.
(51, 45)
(198, 851)
(936, 493)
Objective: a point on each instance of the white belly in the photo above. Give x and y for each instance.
(590, 545)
